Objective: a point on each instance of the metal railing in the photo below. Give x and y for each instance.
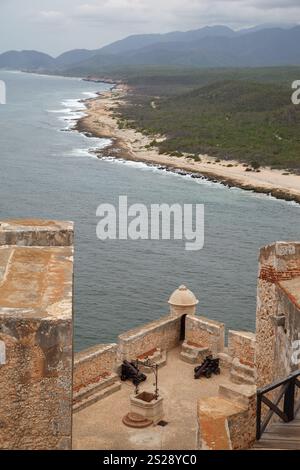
(287, 393)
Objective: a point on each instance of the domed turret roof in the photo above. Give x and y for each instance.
(183, 297)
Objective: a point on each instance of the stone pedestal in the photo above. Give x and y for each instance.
(146, 405)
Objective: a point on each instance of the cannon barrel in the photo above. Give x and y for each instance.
(130, 371)
(133, 369)
(208, 367)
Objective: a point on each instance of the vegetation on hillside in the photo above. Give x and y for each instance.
(244, 114)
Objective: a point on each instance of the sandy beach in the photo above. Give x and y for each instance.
(101, 121)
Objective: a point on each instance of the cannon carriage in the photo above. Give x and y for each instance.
(130, 371)
(208, 367)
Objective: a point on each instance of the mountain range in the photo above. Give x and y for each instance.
(214, 46)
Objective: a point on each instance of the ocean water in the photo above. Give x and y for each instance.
(47, 171)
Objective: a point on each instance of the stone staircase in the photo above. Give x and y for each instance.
(193, 353)
(95, 392)
(280, 436)
(241, 373)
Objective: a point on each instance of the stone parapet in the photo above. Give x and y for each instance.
(205, 333)
(163, 334)
(241, 345)
(36, 232)
(93, 363)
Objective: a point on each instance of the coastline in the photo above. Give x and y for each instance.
(100, 120)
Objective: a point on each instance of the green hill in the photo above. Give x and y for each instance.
(247, 121)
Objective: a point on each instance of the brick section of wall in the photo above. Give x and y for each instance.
(163, 334)
(93, 363)
(287, 336)
(279, 267)
(36, 232)
(241, 345)
(206, 333)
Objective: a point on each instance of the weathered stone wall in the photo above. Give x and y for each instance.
(163, 334)
(36, 337)
(287, 334)
(242, 427)
(277, 311)
(92, 363)
(36, 384)
(205, 333)
(241, 345)
(36, 233)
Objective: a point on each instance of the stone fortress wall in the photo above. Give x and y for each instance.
(43, 383)
(270, 353)
(163, 335)
(92, 363)
(227, 421)
(278, 308)
(207, 333)
(36, 334)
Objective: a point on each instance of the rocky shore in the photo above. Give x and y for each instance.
(101, 121)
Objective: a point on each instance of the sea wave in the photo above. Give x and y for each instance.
(90, 94)
(74, 103)
(59, 111)
(195, 178)
(73, 110)
(96, 145)
(81, 152)
(154, 168)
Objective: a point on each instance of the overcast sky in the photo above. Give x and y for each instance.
(55, 26)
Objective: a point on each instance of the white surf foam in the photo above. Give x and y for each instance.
(81, 152)
(160, 170)
(90, 94)
(59, 111)
(74, 103)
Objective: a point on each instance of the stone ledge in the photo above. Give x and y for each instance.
(240, 394)
(102, 382)
(143, 330)
(36, 232)
(92, 399)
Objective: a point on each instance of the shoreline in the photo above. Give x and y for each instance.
(101, 121)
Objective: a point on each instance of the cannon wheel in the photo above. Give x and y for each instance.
(208, 374)
(123, 378)
(218, 371)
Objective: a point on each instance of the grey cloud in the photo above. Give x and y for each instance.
(58, 25)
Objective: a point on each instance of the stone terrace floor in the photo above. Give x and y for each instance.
(100, 425)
